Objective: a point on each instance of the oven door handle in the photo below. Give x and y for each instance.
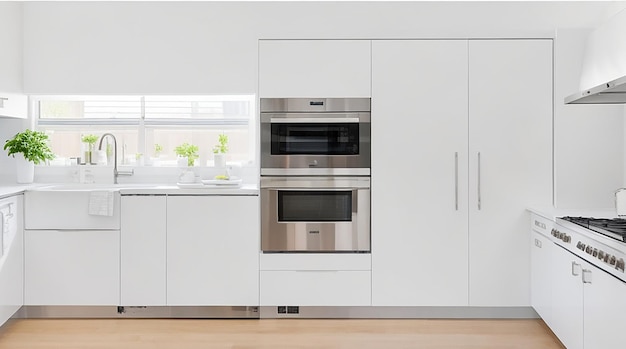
(310, 120)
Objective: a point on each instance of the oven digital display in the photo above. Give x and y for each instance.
(314, 206)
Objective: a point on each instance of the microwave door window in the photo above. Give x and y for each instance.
(315, 206)
(315, 139)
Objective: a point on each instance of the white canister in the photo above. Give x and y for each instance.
(620, 201)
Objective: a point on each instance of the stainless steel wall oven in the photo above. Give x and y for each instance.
(315, 175)
(315, 214)
(315, 136)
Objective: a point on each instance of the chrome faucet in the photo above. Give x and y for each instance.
(116, 173)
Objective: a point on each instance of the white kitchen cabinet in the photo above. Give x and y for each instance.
(314, 279)
(510, 163)
(314, 68)
(541, 250)
(567, 298)
(13, 105)
(604, 309)
(143, 250)
(589, 309)
(72, 267)
(437, 107)
(213, 250)
(11, 257)
(12, 39)
(419, 173)
(315, 288)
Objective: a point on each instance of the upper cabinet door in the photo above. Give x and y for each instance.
(13, 105)
(314, 68)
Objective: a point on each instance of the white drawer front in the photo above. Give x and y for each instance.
(316, 288)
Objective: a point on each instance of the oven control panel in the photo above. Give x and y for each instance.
(561, 236)
(606, 257)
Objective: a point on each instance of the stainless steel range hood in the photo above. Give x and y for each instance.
(612, 92)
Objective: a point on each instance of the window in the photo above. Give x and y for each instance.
(141, 124)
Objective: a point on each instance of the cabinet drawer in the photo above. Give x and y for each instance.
(316, 288)
(541, 224)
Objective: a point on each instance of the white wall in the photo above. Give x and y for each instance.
(588, 139)
(211, 47)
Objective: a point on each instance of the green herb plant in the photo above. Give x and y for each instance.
(32, 144)
(157, 150)
(89, 139)
(189, 151)
(222, 147)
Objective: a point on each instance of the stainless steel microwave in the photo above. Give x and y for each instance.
(315, 214)
(309, 136)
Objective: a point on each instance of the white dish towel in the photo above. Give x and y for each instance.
(101, 203)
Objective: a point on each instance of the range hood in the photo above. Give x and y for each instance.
(612, 92)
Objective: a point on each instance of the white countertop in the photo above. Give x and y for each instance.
(131, 189)
(553, 213)
(12, 189)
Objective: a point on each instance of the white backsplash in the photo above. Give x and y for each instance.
(141, 174)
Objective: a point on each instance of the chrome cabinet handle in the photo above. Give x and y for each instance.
(575, 269)
(456, 181)
(479, 198)
(586, 276)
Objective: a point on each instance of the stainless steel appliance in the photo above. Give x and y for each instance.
(599, 241)
(315, 136)
(315, 214)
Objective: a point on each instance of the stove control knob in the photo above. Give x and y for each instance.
(588, 249)
(606, 258)
(595, 252)
(567, 238)
(580, 245)
(554, 232)
(601, 255)
(612, 260)
(619, 265)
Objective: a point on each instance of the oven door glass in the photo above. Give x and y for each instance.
(314, 206)
(315, 139)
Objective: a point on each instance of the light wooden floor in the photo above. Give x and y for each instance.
(275, 333)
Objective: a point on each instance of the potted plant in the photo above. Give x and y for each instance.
(188, 151)
(31, 148)
(90, 140)
(220, 150)
(156, 160)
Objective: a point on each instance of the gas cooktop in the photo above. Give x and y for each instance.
(614, 228)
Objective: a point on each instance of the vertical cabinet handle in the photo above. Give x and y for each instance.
(479, 198)
(586, 276)
(456, 181)
(575, 269)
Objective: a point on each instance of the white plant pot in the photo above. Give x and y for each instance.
(219, 160)
(181, 161)
(25, 169)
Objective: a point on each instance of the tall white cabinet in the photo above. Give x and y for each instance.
(419, 173)
(510, 162)
(461, 139)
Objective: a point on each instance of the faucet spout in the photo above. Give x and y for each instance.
(116, 173)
